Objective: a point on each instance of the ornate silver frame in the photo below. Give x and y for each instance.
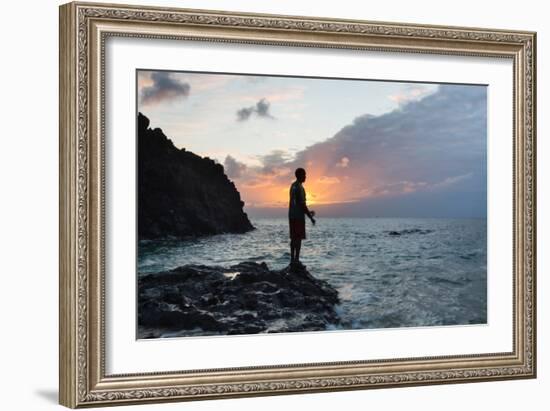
(83, 30)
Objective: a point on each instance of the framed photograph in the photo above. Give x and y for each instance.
(261, 204)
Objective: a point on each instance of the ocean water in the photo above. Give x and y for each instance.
(389, 272)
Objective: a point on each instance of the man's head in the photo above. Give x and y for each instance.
(300, 174)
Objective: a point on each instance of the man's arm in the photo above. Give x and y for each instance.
(306, 210)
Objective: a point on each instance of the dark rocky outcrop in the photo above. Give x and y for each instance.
(181, 194)
(247, 298)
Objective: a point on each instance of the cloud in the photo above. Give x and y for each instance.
(451, 181)
(276, 159)
(343, 163)
(233, 168)
(410, 93)
(436, 144)
(399, 187)
(328, 180)
(244, 113)
(261, 109)
(441, 135)
(404, 187)
(163, 87)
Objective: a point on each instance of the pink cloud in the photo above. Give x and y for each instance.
(328, 180)
(343, 163)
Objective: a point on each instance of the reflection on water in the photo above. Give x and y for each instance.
(389, 272)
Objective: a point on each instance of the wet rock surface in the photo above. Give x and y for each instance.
(246, 298)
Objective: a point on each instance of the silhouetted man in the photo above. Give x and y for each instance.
(297, 210)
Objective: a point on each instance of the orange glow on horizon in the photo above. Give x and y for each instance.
(271, 191)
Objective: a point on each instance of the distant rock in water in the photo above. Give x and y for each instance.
(410, 231)
(182, 194)
(246, 298)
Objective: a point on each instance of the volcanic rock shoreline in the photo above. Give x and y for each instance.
(247, 298)
(181, 194)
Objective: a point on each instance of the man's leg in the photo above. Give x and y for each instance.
(292, 250)
(298, 246)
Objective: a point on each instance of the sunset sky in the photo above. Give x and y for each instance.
(370, 148)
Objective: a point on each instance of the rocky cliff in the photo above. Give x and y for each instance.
(246, 298)
(181, 194)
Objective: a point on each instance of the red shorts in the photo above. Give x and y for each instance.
(297, 228)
